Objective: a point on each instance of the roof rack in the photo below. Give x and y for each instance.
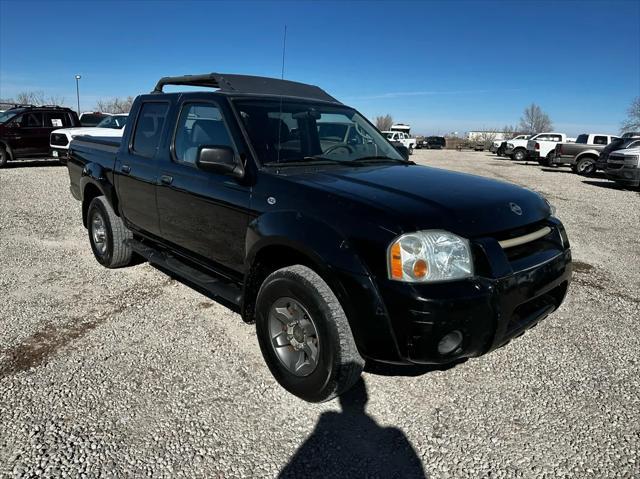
(256, 85)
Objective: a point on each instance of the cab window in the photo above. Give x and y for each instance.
(200, 124)
(30, 120)
(149, 128)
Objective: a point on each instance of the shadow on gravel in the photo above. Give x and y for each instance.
(604, 184)
(352, 444)
(32, 163)
(382, 369)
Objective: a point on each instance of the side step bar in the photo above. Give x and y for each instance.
(215, 287)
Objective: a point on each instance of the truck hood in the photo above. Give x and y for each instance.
(420, 197)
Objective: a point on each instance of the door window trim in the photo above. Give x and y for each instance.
(172, 146)
(130, 148)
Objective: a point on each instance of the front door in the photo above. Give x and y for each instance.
(204, 214)
(136, 169)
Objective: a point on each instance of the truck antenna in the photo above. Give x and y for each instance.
(284, 49)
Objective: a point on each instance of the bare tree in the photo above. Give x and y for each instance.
(632, 123)
(38, 98)
(115, 105)
(534, 120)
(509, 131)
(487, 136)
(383, 123)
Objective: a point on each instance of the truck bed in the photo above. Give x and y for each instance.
(90, 149)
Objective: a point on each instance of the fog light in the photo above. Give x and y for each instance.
(450, 342)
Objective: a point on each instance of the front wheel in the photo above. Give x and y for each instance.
(4, 157)
(305, 336)
(411, 149)
(108, 235)
(519, 155)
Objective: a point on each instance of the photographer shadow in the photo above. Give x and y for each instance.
(352, 444)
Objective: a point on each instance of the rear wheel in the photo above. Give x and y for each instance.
(108, 235)
(586, 166)
(305, 336)
(411, 149)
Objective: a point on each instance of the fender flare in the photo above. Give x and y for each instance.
(337, 262)
(317, 240)
(94, 175)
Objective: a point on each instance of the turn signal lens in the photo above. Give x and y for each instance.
(429, 256)
(396, 261)
(420, 269)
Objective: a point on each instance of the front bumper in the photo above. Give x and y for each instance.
(61, 154)
(488, 310)
(628, 176)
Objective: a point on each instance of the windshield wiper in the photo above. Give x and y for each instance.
(319, 160)
(382, 158)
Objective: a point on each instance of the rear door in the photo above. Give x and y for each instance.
(136, 168)
(205, 214)
(29, 135)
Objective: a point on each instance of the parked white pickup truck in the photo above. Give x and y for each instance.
(499, 146)
(542, 147)
(112, 126)
(520, 150)
(402, 137)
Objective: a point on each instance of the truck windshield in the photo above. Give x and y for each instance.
(582, 139)
(7, 115)
(116, 122)
(292, 132)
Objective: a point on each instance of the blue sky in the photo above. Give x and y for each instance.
(440, 66)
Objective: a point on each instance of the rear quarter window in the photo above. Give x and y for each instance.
(600, 140)
(149, 128)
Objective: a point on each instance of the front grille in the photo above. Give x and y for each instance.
(59, 139)
(531, 244)
(614, 166)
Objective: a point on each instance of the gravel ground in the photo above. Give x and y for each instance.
(129, 373)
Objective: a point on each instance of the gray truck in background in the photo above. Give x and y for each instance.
(582, 154)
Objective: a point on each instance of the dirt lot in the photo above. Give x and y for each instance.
(126, 372)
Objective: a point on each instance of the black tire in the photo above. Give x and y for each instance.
(113, 251)
(4, 157)
(519, 155)
(500, 152)
(574, 168)
(586, 166)
(410, 150)
(339, 363)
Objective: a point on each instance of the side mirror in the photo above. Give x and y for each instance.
(218, 159)
(404, 151)
(13, 124)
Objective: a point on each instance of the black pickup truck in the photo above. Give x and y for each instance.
(338, 248)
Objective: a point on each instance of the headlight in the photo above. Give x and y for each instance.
(631, 160)
(552, 208)
(510, 146)
(429, 256)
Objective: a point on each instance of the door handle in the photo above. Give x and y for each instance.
(126, 169)
(166, 179)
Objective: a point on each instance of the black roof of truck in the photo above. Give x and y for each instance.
(248, 84)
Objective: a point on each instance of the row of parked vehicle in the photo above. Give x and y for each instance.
(617, 156)
(37, 131)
